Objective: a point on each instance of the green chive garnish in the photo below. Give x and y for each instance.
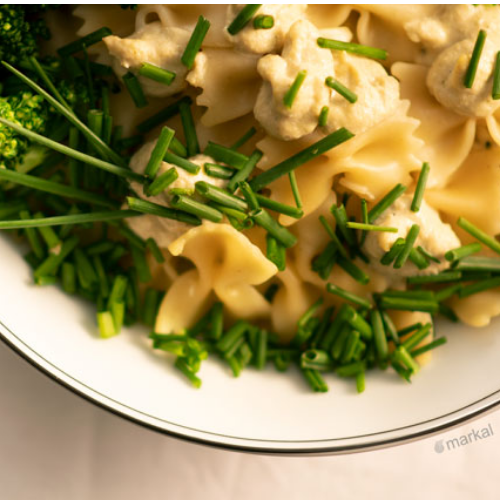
(353, 270)
(360, 382)
(307, 154)
(186, 370)
(495, 92)
(340, 248)
(243, 174)
(347, 94)
(69, 278)
(292, 92)
(351, 370)
(249, 195)
(358, 323)
(244, 138)
(147, 207)
(281, 208)
(401, 355)
(135, 90)
(323, 116)
(153, 247)
(470, 74)
(349, 296)
(162, 116)
(161, 182)
(478, 264)
(394, 251)
(445, 277)
(315, 380)
(418, 259)
(48, 234)
(354, 48)
(181, 192)
(340, 215)
(157, 74)
(411, 237)
(158, 153)
(218, 171)
(295, 189)
(480, 286)
(106, 324)
(408, 304)
(385, 202)
(33, 237)
(193, 147)
(243, 18)
(463, 251)
(371, 227)
(428, 347)
(263, 22)
(84, 270)
(77, 155)
(419, 190)
(220, 196)
(427, 255)
(413, 340)
(473, 230)
(84, 42)
(194, 44)
(316, 359)
(446, 293)
(276, 252)
(274, 228)
(51, 265)
(186, 165)
(187, 204)
(226, 155)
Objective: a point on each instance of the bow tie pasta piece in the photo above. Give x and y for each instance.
(473, 192)
(328, 16)
(154, 44)
(227, 264)
(301, 53)
(264, 41)
(229, 83)
(448, 137)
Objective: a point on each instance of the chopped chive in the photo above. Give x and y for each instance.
(411, 237)
(158, 153)
(276, 252)
(385, 202)
(360, 382)
(193, 207)
(364, 220)
(347, 94)
(413, 340)
(315, 359)
(226, 155)
(474, 231)
(244, 138)
(349, 347)
(243, 18)
(315, 380)
(354, 48)
(195, 41)
(333, 236)
(353, 270)
(263, 22)
(151, 303)
(162, 182)
(50, 266)
(291, 93)
(74, 166)
(84, 42)
(216, 316)
(295, 189)
(371, 227)
(220, 196)
(446, 293)
(418, 259)
(235, 347)
(340, 342)
(106, 324)
(273, 227)
(324, 262)
(69, 115)
(153, 247)
(178, 148)
(85, 272)
(409, 329)
(235, 365)
(160, 75)
(351, 370)
(117, 290)
(495, 92)
(132, 237)
(69, 278)
(186, 165)
(444, 277)
(218, 171)
(340, 215)
(390, 328)
(77, 155)
(348, 296)
(402, 356)
(129, 142)
(334, 329)
(379, 336)
(418, 196)
(470, 74)
(408, 304)
(162, 116)
(463, 251)
(358, 323)
(48, 234)
(140, 264)
(134, 88)
(473, 263)
(323, 116)
(245, 355)
(95, 123)
(249, 195)
(181, 191)
(322, 328)
(415, 294)
(232, 335)
(468, 290)
(246, 170)
(33, 237)
(161, 211)
(295, 161)
(394, 251)
(193, 147)
(428, 347)
(281, 208)
(102, 277)
(185, 369)
(427, 255)
(310, 312)
(107, 129)
(448, 313)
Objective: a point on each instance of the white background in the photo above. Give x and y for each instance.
(54, 445)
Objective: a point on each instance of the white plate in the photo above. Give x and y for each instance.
(261, 411)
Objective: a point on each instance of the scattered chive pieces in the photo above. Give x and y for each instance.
(353, 270)
(193, 207)
(244, 138)
(338, 245)
(347, 94)
(193, 147)
(106, 324)
(470, 74)
(226, 155)
(274, 228)
(371, 227)
(408, 304)
(69, 278)
(220, 196)
(147, 207)
(419, 190)
(348, 296)
(315, 380)
(446, 293)
(379, 336)
(322, 146)
(84, 42)
(157, 74)
(354, 48)
(135, 90)
(276, 252)
(474, 231)
(194, 44)
(250, 196)
(186, 370)
(281, 208)
(295, 189)
(385, 202)
(218, 171)
(155, 250)
(151, 303)
(389, 257)
(480, 286)
(315, 359)
(414, 339)
(323, 116)
(243, 18)
(474, 263)
(428, 347)
(495, 92)
(427, 255)
(411, 237)
(246, 170)
(33, 237)
(186, 165)
(140, 264)
(340, 215)
(263, 22)
(158, 153)
(162, 116)
(360, 382)
(161, 182)
(444, 277)
(291, 93)
(418, 259)
(51, 264)
(463, 251)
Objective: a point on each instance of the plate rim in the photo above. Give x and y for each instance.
(352, 444)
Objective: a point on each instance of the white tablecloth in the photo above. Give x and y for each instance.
(54, 445)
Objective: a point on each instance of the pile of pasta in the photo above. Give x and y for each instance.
(400, 121)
